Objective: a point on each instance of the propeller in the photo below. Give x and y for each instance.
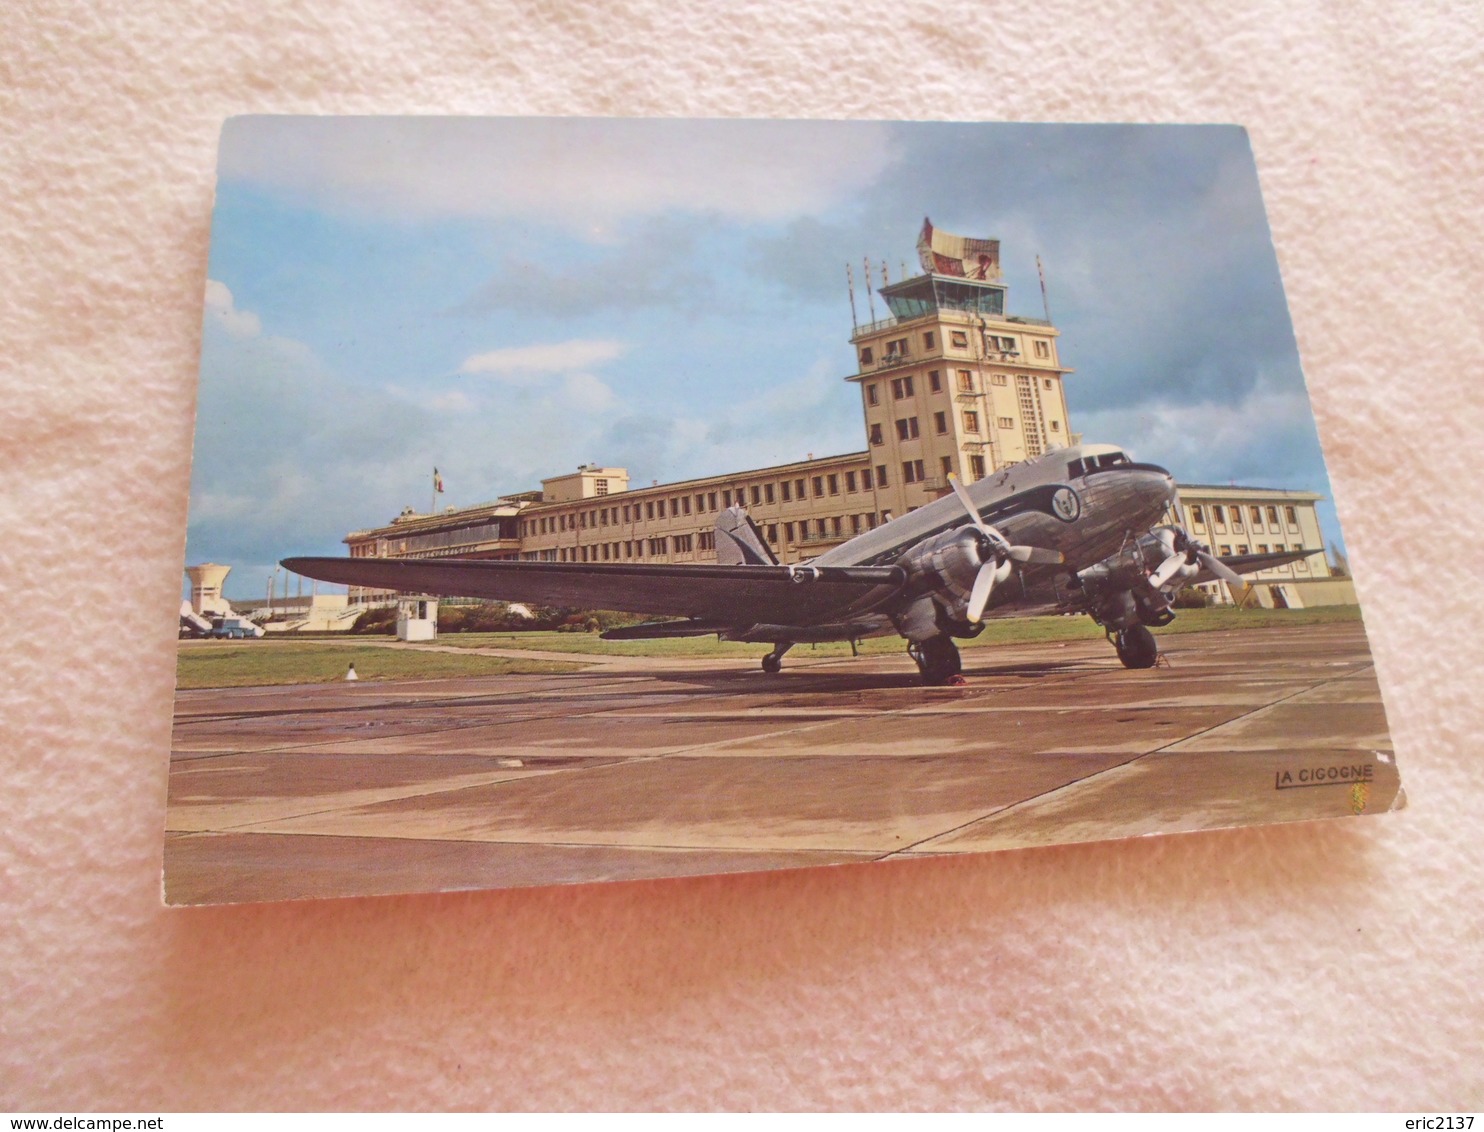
(1185, 561)
(996, 554)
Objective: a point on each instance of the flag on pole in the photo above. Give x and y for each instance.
(437, 481)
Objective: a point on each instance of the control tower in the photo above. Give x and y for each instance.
(206, 589)
(951, 383)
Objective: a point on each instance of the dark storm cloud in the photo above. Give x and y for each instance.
(1160, 269)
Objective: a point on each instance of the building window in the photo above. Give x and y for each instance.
(880, 475)
(757, 495)
(1198, 516)
(901, 387)
(897, 348)
(871, 521)
(960, 338)
(768, 493)
(834, 481)
(976, 467)
(1262, 548)
(1043, 350)
(866, 356)
(726, 498)
(849, 481)
(787, 491)
(940, 423)
(935, 381)
(1056, 426)
(1273, 517)
(600, 487)
(876, 437)
(929, 340)
(788, 531)
(1047, 382)
(799, 489)
(872, 397)
(1218, 516)
(1005, 422)
(907, 428)
(819, 526)
(965, 381)
(999, 379)
(1242, 549)
(947, 463)
(818, 483)
(971, 422)
(1256, 513)
(1292, 516)
(912, 471)
(835, 526)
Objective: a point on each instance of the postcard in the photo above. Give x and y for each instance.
(579, 500)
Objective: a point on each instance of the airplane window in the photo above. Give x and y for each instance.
(1074, 469)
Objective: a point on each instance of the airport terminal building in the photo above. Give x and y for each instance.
(949, 382)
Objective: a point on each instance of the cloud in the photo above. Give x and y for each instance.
(582, 173)
(221, 308)
(663, 261)
(554, 357)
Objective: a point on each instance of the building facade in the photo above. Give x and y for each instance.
(949, 383)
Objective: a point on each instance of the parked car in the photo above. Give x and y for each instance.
(234, 629)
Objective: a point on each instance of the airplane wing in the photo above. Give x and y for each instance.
(734, 595)
(1252, 563)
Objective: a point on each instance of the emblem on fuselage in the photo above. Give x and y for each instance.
(1066, 505)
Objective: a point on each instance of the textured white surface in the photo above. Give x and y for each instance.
(1322, 966)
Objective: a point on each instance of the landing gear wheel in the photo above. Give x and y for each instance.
(1136, 647)
(938, 660)
(773, 662)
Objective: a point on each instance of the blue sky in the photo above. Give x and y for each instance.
(508, 298)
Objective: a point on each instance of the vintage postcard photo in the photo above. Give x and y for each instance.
(580, 500)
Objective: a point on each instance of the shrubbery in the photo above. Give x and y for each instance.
(1191, 598)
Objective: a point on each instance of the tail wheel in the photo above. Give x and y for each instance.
(772, 663)
(1136, 647)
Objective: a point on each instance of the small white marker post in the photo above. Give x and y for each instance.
(350, 673)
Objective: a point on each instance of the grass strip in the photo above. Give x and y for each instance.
(213, 664)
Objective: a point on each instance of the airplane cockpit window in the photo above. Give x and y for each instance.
(1089, 464)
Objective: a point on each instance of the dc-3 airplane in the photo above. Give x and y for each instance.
(1074, 530)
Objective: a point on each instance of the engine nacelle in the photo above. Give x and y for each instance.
(945, 566)
(1117, 589)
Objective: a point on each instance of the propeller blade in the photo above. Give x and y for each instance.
(1220, 569)
(1167, 570)
(968, 504)
(983, 586)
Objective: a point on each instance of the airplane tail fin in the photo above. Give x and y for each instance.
(739, 542)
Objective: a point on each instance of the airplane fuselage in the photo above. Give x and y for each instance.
(1085, 502)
